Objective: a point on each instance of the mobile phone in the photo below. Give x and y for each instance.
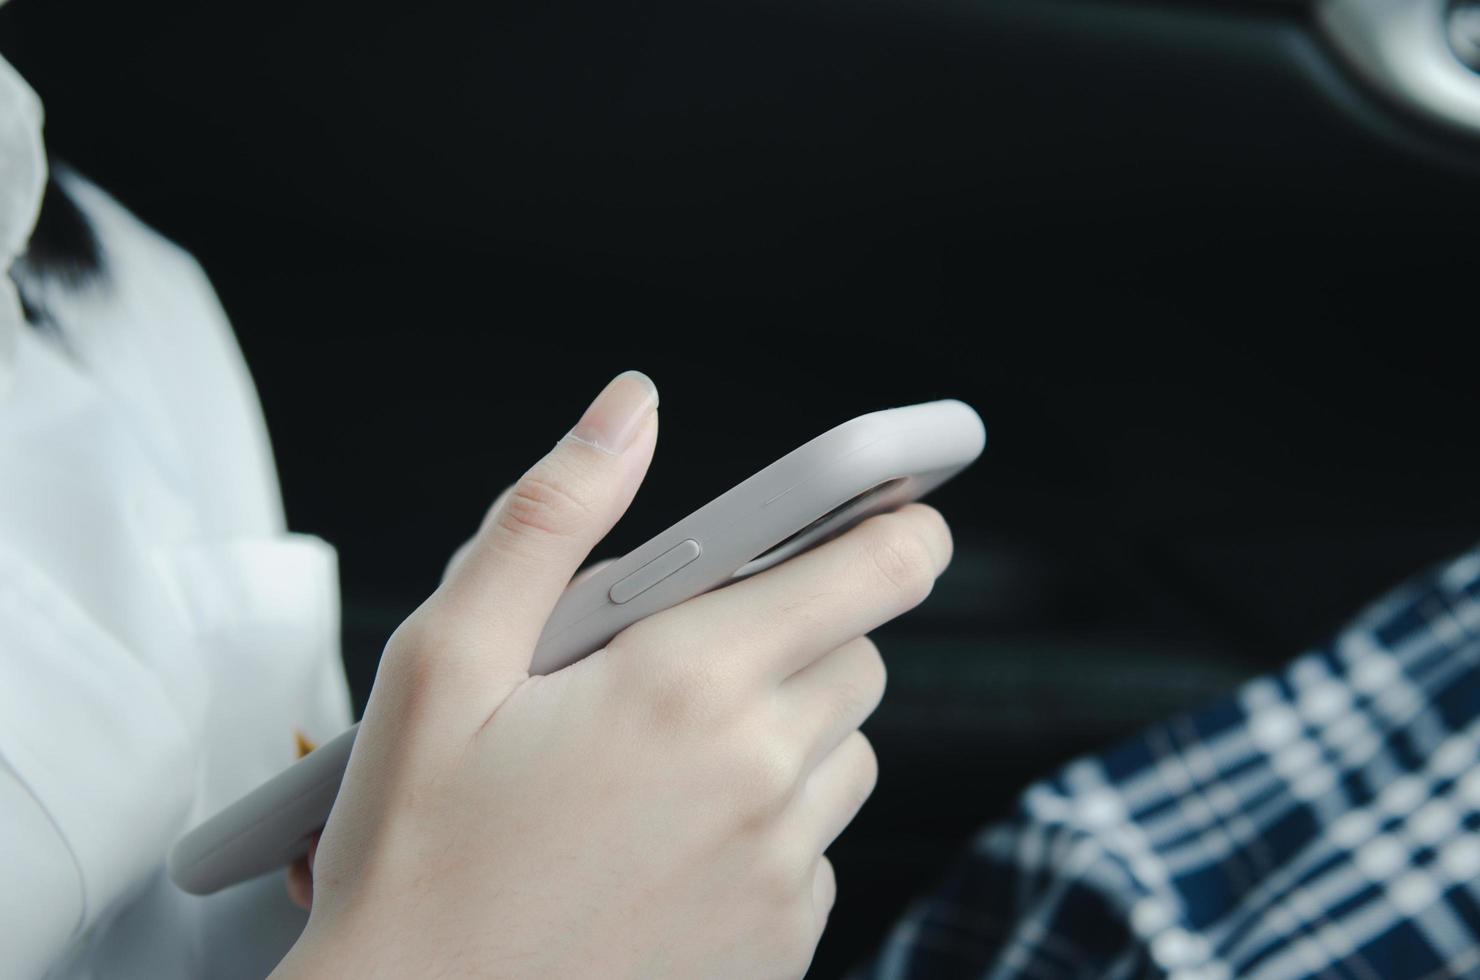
(870, 464)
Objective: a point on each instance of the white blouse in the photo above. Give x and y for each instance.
(162, 636)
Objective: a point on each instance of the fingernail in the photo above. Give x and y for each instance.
(617, 414)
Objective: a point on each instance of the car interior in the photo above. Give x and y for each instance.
(1203, 268)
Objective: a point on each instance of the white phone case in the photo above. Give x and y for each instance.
(874, 463)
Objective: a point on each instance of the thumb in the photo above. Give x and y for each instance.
(492, 606)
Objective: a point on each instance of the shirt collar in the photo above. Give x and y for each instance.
(22, 180)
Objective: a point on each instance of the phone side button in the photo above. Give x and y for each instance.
(655, 571)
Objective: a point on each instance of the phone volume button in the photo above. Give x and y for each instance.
(655, 571)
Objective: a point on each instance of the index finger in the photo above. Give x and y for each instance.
(782, 619)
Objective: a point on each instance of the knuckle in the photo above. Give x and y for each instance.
(861, 691)
(865, 773)
(787, 868)
(416, 642)
(684, 691)
(940, 530)
(411, 662)
(546, 503)
(877, 671)
(796, 934)
(901, 558)
(850, 704)
(767, 772)
(828, 885)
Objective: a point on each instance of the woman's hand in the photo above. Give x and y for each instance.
(660, 808)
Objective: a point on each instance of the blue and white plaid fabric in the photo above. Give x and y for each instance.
(1323, 822)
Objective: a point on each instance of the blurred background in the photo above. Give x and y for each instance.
(1206, 273)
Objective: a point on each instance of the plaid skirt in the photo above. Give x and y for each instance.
(1321, 822)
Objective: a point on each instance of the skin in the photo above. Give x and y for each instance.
(658, 809)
